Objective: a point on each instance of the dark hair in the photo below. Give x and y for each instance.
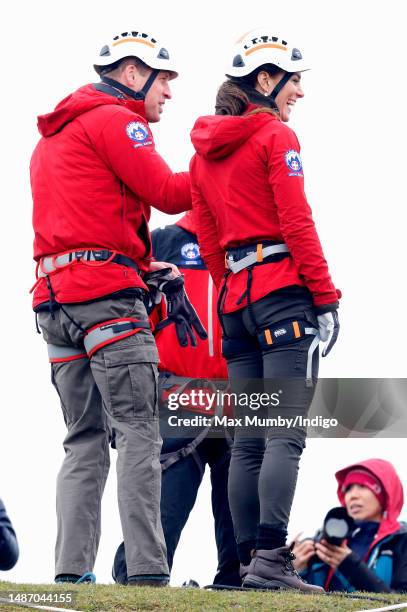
(140, 65)
(235, 94)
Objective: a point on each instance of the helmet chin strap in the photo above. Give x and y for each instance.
(136, 95)
(274, 93)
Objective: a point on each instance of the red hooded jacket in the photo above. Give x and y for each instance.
(247, 187)
(178, 244)
(94, 175)
(385, 472)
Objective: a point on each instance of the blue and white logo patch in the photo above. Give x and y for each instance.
(294, 163)
(137, 131)
(190, 251)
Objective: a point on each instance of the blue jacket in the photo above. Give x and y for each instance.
(8, 541)
(383, 568)
(384, 571)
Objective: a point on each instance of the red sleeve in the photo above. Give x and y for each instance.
(297, 226)
(207, 232)
(127, 146)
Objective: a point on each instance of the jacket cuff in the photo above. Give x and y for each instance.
(348, 564)
(361, 576)
(320, 310)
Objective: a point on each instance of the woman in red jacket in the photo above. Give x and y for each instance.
(277, 299)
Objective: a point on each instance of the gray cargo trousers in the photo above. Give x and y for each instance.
(114, 390)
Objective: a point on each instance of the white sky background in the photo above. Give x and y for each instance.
(351, 125)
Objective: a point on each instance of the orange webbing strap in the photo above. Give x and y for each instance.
(267, 334)
(259, 253)
(296, 328)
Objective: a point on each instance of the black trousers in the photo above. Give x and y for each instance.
(264, 465)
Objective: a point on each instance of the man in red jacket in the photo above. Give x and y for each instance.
(187, 450)
(94, 175)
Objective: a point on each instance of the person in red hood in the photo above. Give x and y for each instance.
(95, 174)
(277, 299)
(374, 555)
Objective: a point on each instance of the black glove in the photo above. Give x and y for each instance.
(179, 309)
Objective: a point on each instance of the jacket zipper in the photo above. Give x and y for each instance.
(210, 316)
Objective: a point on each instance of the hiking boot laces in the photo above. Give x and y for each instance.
(289, 567)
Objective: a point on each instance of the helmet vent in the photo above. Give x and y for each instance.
(105, 51)
(284, 42)
(163, 54)
(274, 38)
(296, 54)
(125, 33)
(238, 61)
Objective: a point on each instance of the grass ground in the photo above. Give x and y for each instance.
(101, 598)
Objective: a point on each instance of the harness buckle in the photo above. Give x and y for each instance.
(105, 333)
(285, 332)
(253, 255)
(101, 255)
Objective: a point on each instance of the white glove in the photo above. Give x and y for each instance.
(328, 324)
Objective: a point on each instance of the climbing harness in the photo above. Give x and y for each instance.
(97, 337)
(284, 332)
(95, 257)
(177, 384)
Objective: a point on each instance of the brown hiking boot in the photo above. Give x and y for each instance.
(243, 571)
(273, 569)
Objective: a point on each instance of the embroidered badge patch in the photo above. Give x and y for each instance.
(294, 163)
(138, 132)
(190, 252)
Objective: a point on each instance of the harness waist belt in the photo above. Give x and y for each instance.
(91, 257)
(256, 254)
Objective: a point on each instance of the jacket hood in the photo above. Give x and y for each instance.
(80, 101)
(187, 222)
(385, 472)
(217, 136)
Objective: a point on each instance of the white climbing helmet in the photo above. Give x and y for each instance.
(135, 43)
(259, 47)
